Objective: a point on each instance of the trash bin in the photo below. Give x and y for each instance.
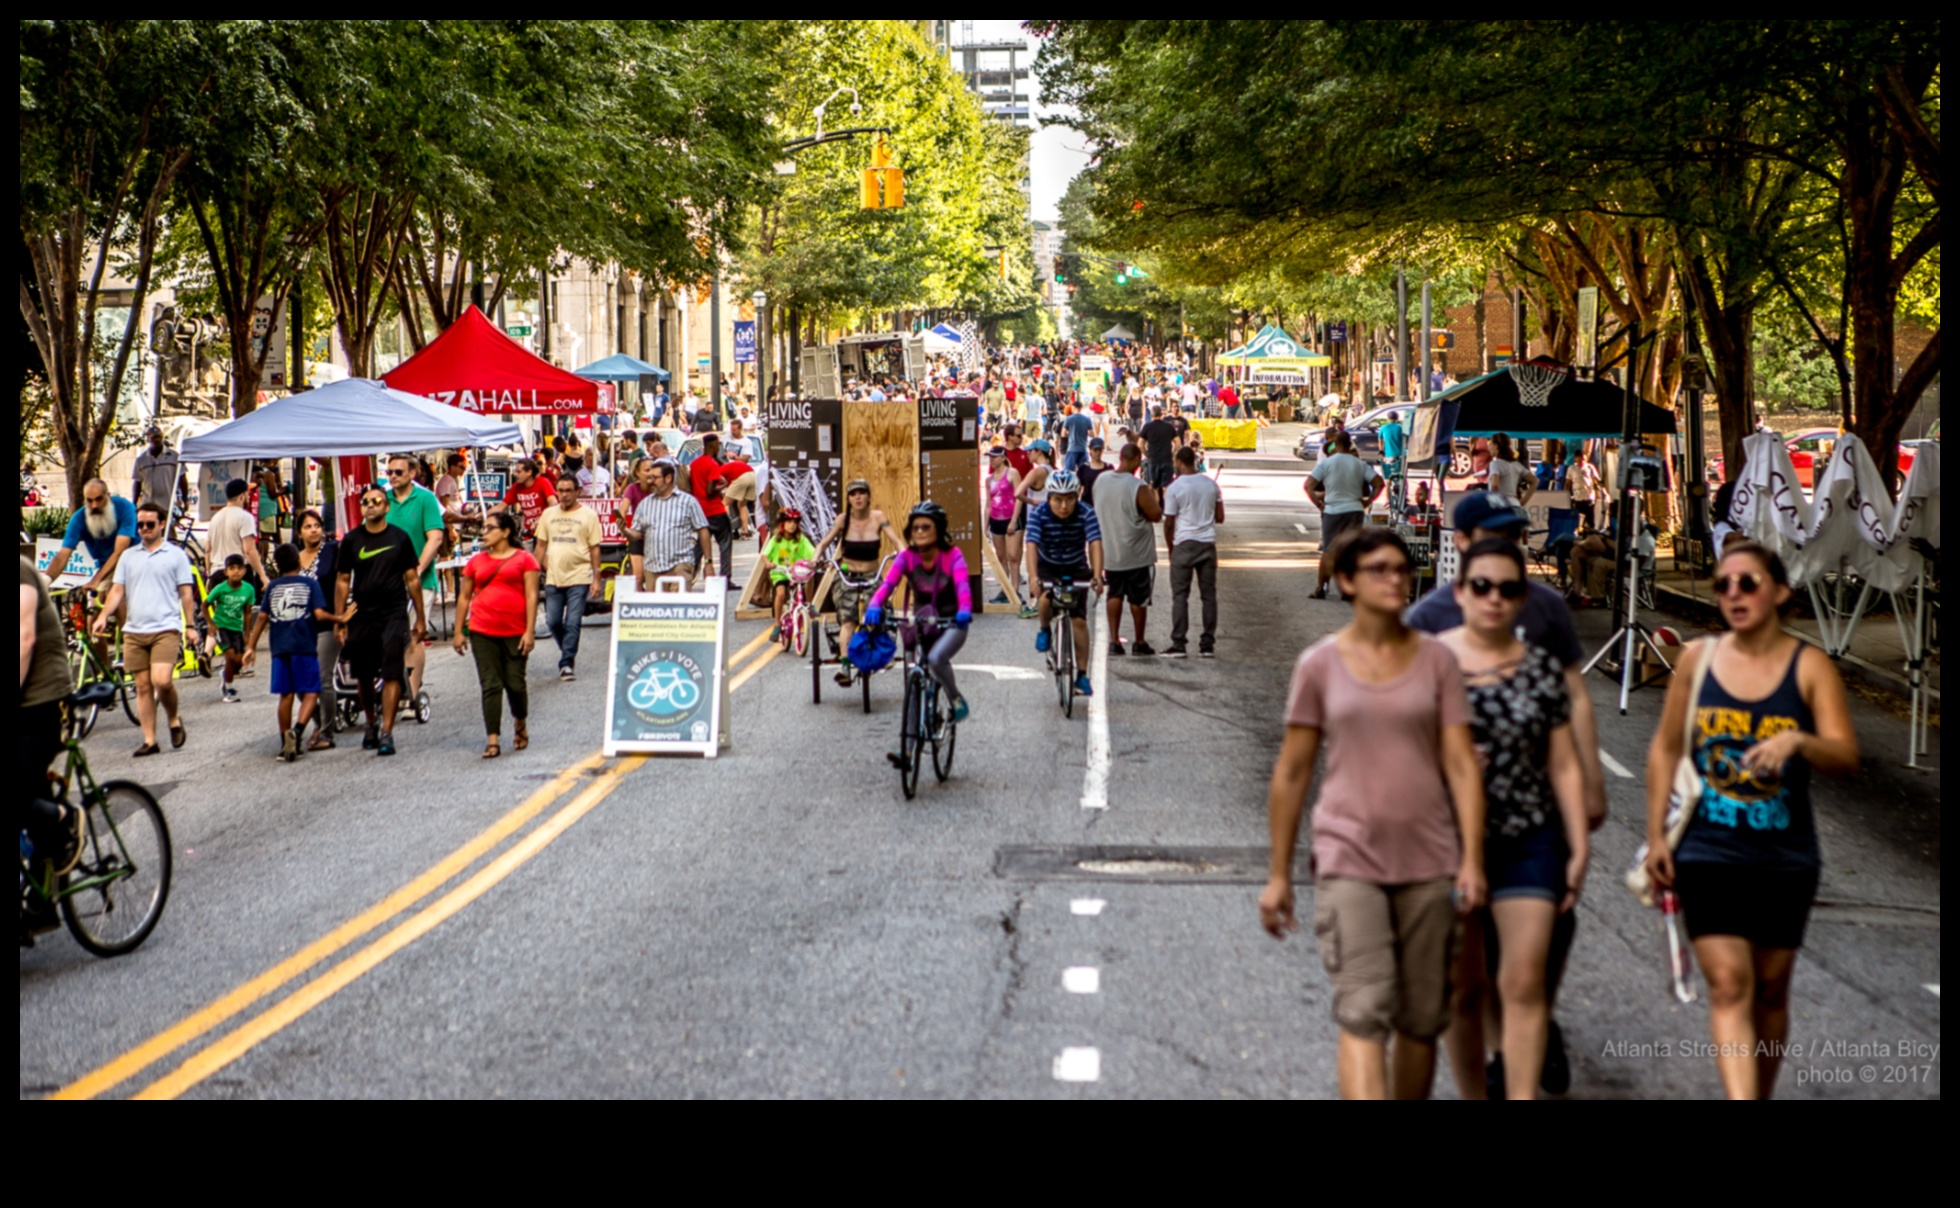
(1284, 412)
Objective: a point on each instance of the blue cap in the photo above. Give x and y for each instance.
(1487, 510)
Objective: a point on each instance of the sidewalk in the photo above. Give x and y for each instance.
(1877, 656)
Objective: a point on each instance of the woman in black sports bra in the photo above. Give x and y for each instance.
(859, 536)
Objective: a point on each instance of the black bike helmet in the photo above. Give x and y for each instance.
(934, 513)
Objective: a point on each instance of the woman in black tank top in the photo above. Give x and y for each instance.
(1771, 710)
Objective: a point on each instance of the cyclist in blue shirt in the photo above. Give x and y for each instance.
(1064, 541)
(105, 525)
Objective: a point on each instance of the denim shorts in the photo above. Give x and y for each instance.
(1531, 865)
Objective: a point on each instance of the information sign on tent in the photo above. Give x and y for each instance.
(478, 368)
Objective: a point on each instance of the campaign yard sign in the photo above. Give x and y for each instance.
(665, 691)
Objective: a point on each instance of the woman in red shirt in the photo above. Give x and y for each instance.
(497, 607)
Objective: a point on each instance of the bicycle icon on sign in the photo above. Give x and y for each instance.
(664, 688)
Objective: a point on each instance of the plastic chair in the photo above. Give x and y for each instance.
(1553, 553)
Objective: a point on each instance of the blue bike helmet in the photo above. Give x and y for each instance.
(871, 649)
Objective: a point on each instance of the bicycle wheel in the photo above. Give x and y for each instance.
(816, 673)
(911, 743)
(864, 682)
(1055, 639)
(799, 622)
(946, 733)
(113, 898)
(1065, 666)
(126, 693)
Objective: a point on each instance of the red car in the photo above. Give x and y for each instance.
(1809, 449)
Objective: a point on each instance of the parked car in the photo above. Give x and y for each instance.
(751, 446)
(1366, 431)
(1810, 451)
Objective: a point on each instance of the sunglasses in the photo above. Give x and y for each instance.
(147, 524)
(1744, 584)
(1508, 589)
(398, 473)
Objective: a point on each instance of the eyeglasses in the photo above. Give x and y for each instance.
(925, 526)
(1744, 584)
(1385, 570)
(1509, 589)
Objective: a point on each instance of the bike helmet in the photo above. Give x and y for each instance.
(790, 514)
(934, 513)
(1061, 482)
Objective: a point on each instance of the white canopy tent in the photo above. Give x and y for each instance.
(346, 419)
(1849, 543)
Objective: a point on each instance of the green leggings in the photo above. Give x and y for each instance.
(500, 669)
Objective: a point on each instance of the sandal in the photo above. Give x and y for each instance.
(322, 741)
(148, 748)
(490, 748)
(521, 737)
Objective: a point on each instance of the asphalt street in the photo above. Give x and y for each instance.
(780, 922)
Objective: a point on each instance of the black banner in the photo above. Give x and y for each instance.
(949, 473)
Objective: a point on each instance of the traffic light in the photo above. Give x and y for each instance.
(1122, 273)
(1003, 264)
(1064, 267)
(882, 186)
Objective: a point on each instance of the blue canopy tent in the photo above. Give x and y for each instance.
(620, 368)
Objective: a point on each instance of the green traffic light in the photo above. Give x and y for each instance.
(1121, 279)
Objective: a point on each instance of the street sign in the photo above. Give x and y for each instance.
(518, 330)
(1337, 332)
(665, 683)
(745, 341)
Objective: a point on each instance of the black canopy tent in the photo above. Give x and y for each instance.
(1576, 409)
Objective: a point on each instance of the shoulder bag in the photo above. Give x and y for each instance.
(1684, 794)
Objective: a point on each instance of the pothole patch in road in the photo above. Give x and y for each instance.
(1139, 865)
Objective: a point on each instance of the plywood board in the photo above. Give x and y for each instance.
(881, 446)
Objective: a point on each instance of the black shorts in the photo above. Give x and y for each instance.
(230, 641)
(1769, 907)
(1159, 473)
(997, 527)
(1131, 586)
(1333, 524)
(376, 649)
(1048, 572)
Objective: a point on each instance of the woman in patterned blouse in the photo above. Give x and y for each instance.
(1535, 833)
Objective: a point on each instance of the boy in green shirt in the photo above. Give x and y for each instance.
(227, 604)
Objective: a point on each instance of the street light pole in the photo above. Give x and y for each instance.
(1423, 391)
(1402, 334)
(714, 342)
(761, 350)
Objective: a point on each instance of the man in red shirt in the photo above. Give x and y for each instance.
(1230, 398)
(530, 494)
(738, 490)
(706, 484)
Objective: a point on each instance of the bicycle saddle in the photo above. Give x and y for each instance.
(92, 695)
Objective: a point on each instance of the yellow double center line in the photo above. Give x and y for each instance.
(235, 1044)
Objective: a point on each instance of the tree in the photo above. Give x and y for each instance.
(100, 152)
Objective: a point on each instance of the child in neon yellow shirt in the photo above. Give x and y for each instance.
(785, 548)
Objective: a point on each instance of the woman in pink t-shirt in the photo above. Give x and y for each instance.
(1398, 827)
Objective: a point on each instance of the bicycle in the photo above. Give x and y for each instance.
(1061, 641)
(85, 661)
(113, 896)
(831, 632)
(922, 723)
(793, 627)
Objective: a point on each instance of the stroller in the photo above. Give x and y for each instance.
(347, 713)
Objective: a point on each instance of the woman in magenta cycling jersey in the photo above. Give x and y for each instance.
(937, 573)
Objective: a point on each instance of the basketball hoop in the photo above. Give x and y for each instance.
(1535, 381)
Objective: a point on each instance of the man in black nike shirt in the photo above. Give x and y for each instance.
(379, 569)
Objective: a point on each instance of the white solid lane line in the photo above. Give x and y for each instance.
(1613, 765)
(1934, 987)
(1095, 775)
(1082, 979)
(1078, 1065)
(1086, 906)
(1002, 672)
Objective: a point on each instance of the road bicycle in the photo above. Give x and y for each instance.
(923, 722)
(832, 630)
(113, 896)
(1061, 641)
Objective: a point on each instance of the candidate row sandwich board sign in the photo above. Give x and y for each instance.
(667, 686)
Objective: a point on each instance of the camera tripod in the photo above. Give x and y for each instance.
(1628, 638)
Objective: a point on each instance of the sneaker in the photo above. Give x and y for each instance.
(1000, 597)
(371, 739)
(1555, 1076)
(960, 709)
(1142, 649)
(230, 696)
(385, 745)
(1176, 652)
(566, 673)
(299, 741)
(1494, 1077)
(1206, 652)
(1116, 647)
(1041, 641)
(289, 746)
(843, 677)
(1082, 687)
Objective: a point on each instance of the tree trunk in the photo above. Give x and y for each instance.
(1730, 340)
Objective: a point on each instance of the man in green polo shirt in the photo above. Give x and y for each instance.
(414, 509)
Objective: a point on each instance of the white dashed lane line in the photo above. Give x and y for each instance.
(1613, 765)
(1078, 1065)
(1082, 979)
(1089, 906)
(1301, 527)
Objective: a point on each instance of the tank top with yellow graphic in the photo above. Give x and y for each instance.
(1762, 819)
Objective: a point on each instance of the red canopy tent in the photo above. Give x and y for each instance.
(478, 368)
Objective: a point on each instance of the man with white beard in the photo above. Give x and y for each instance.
(106, 525)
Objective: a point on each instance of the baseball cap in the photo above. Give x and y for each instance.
(1096, 442)
(1487, 510)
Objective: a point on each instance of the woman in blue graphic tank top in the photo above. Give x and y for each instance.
(1771, 711)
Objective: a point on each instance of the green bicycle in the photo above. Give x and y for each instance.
(113, 896)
